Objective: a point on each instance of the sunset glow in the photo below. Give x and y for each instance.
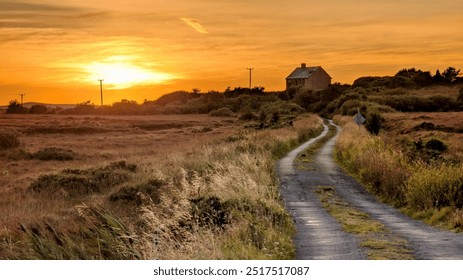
(55, 51)
(118, 73)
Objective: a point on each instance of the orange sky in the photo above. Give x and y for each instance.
(56, 51)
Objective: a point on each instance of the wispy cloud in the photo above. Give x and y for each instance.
(44, 16)
(195, 24)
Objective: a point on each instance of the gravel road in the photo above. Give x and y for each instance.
(319, 236)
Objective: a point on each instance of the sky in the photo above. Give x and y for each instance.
(55, 51)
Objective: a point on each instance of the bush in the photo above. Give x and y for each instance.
(350, 107)
(436, 145)
(209, 211)
(76, 182)
(8, 141)
(38, 109)
(136, 194)
(384, 82)
(54, 154)
(222, 112)
(373, 122)
(248, 116)
(15, 108)
(179, 97)
(409, 103)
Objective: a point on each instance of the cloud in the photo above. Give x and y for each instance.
(44, 16)
(195, 24)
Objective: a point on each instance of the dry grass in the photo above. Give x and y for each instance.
(204, 188)
(122, 140)
(382, 168)
(414, 126)
(450, 91)
(426, 183)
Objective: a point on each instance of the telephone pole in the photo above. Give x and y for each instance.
(250, 77)
(22, 98)
(101, 90)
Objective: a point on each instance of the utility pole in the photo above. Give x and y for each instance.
(22, 98)
(250, 77)
(101, 90)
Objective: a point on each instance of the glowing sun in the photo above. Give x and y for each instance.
(121, 72)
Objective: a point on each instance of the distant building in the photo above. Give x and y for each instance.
(312, 78)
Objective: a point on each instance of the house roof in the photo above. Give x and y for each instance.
(303, 72)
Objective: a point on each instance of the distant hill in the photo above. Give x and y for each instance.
(30, 104)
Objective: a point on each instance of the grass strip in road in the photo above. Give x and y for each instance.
(379, 241)
(308, 154)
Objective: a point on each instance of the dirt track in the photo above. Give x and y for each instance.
(319, 236)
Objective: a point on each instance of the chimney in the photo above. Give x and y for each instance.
(303, 65)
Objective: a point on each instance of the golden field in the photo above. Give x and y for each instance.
(144, 187)
(96, 141)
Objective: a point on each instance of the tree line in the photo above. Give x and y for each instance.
(385, 94)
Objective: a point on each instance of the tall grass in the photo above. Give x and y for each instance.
(401, 181)
(232, 191)
(381, 167)
(436, 187)
(214, 201)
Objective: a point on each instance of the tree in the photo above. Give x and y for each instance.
(450, 74)
(15, 108)
(438, 78)
(422, 79)
(409, 73)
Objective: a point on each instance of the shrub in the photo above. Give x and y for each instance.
(76, 182)
(181, 97)
(38, 109)
(8, 141)
(137, 194)
(209, 211)
(436, 145)
(373, 122)
(222, 112)
(54, 154)
(282, 108)
(410, 103)
(384, 82)
(15, 108)
(275, 117)
(248, 116)
(350, 107)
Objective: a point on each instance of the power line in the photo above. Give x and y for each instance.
(101, 90)
(250, 77)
